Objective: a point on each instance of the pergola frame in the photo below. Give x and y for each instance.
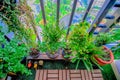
(101, 14)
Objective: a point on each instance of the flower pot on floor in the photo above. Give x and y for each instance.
(103, 62)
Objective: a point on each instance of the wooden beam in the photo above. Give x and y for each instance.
(58, 11)
(43, 11)
(101, 14)
(71, 16)
(88, 9)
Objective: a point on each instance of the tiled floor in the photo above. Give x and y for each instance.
(68, 75)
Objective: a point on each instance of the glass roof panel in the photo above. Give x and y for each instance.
(80, 10)
(95, 9)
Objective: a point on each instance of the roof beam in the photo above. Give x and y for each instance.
(43, 11)
(71, 16)
(103, 11)
(88, 9)
(58, 10)
(109, 23)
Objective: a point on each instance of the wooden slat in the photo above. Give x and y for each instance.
(75, 75)
(86, 75)
(74, 71)
(52, 75)
(75, 78)
(37, 75)
(97, 78)
(53, 71)
(82, 74)
(68, 74)
(41, 75)
(52, 78)
(45, 75)
(64, 74)
(90, 75)
(97, 75)
(60, 75)
(96, 71)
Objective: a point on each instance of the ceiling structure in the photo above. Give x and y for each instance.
(95, 12)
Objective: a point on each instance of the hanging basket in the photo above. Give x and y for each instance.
(103, 62)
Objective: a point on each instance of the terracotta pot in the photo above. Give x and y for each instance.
(103, 62)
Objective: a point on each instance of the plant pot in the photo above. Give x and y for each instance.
(65, 52)
(34, 53)
(103, 62)
(53, 55)
(35, 56)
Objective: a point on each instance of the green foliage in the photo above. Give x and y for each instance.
(11, 56)
(82, 45)
(53, 37)
(115, 34)
(9, 14)
(116, 37)
(108, 73)
(102, 39)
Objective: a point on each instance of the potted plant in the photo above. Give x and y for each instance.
(32, 43)
(34, 53)
(103, 61)
(83, 47)
(11, 56)
(116, 38)
(66, 52)
(53, 37)
(102, 39)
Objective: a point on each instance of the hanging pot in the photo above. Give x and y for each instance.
(103, 62)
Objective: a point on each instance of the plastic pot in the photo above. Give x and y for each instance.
(103, 62)
(34, 53)
(53, 56)
(65, 52)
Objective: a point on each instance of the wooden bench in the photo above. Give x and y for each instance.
(68, 75)
(45, 57)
